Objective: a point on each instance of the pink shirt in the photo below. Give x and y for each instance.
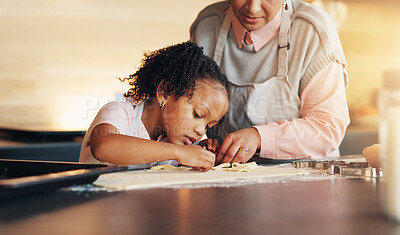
(259, 37)
(323, 108)
(324, 113)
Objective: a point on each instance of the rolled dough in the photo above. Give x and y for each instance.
(140, 179)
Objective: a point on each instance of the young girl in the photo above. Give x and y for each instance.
(176, 95)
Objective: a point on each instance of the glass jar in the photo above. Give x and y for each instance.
(389, 137)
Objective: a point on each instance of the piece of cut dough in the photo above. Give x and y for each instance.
(237, 167)
(222, 166)
(247, 167)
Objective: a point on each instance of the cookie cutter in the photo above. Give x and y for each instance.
(361, 169)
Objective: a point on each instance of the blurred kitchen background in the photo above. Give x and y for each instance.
(59, 60)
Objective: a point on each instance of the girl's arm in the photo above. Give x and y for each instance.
(108, 145)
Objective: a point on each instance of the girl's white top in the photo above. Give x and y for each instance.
(127, 118)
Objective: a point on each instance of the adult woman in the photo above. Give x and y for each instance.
(287, 73)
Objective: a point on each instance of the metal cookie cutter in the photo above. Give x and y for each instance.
(341, 168)
(360, 171)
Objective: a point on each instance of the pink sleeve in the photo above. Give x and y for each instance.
(321, 128)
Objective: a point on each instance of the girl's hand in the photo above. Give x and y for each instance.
(196, 157)
(239, 146)
(210, 144)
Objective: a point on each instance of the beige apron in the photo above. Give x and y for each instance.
(257, 103)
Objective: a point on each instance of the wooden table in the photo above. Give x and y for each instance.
(336, 205)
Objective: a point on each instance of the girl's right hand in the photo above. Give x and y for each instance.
(196, 157)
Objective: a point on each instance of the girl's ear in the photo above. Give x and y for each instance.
(160, 93)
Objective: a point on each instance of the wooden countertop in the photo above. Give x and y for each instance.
(336, 205)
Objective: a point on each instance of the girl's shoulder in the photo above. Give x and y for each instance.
(124, 109)
(119, 105)
(124, 115)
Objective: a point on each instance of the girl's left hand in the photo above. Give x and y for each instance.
(239, 146)
(210, 144)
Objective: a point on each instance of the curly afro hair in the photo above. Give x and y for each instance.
(177, 67)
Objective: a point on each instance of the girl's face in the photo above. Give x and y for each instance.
(186, 120)
(254, 14)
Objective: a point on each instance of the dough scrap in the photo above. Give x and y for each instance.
(222, 166)
(246, 167)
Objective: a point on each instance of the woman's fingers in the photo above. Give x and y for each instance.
(243, 155)
(230, 154)
(222, 151)
(239, 146)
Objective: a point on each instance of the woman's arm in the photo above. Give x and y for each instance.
(319, 131)
(108, 145)
(323, 122)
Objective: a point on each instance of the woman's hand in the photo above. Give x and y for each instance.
(239, 146)
(196, 157)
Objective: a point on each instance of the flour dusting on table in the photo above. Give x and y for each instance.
(141, 179)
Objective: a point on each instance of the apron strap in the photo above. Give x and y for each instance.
(284, 44)
(223, 35)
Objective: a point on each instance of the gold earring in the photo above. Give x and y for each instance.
(161, 105)
(286, 6)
